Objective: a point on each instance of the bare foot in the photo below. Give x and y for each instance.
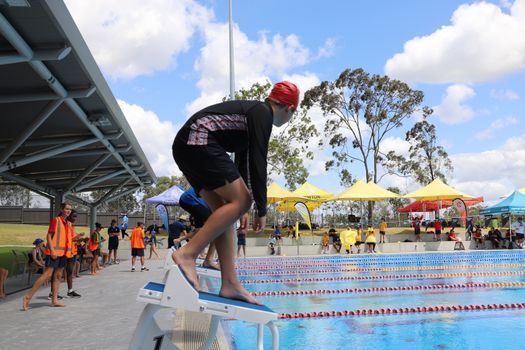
(187, 265)
(57, 305)
(210, 264)
(25, 303)
(238, 293)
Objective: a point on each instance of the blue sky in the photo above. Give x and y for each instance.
(165, 59)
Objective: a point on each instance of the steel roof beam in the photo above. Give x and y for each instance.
(112, 192)
(78, 200)
(93, 152)
(29, 130)
(38, 55)
(46, 96)
(88, 171)
(45, 154)
(97, 180)
(47, 141)
(28, 183)
(23, 48)
(122, 194)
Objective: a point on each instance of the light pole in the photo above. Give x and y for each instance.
(232, 67)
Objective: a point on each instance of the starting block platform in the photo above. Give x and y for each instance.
(177, 293)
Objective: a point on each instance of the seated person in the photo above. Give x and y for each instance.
(452, 236)
(36, 257)
(495, 237)
(478, 236)
(277, 234)
(271, 244)
(336, 241)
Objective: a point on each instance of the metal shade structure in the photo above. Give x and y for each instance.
(63, 130)
(436, 190)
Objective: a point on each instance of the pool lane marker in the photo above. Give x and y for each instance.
(390, 289)
(378, 269)
(384, 277)
(402, 310)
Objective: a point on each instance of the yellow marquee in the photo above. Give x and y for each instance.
(436, 190)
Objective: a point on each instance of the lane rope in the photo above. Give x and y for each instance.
(384, 277)
(375, 269)
(402, 310)
(389, 289)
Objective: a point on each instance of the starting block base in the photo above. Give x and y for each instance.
(177, 293)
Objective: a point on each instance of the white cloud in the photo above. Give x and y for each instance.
(328, 49)
(137, 37)
(497, 124)
(452, 110)
(155, 137)
(481, 43)
(504, 94)
(491, 173)
(257, 60)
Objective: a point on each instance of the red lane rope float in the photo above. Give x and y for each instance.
(384, 277)
(402, 310)
(369, 269)
(390, 289)
(408, 268)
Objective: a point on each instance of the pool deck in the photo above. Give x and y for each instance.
(103, 318)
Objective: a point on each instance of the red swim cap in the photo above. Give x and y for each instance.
(286, 93)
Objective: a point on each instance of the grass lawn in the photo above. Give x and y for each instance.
(7, 257)
(21, 234)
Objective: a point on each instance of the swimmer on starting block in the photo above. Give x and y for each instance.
(200, 150)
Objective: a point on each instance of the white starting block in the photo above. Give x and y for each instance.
(177, 293)
(201, 271)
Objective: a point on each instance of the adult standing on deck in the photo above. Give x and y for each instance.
(124, 225)
(519, 228)
(200, 150)
(137, 246)
(71, 254)
(113, 233)
(57, 244)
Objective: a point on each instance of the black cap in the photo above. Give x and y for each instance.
(98, 225)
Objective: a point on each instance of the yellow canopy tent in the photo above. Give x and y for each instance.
(362, 191)
(436, 190)
(307, 190)
(522, 190)
(289, 206)
(276, 193)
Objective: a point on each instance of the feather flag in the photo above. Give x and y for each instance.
(163, 214)
(305, 213)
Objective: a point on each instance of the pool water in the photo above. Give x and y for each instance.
(481, 329)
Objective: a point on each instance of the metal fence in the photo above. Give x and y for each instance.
(40, 216)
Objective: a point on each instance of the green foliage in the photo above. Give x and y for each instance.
(14, 195)
(427, 160)
(396, 203)
(359, 111)
(164, 183)
(125, 204)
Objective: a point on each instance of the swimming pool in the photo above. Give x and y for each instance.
(398, 301)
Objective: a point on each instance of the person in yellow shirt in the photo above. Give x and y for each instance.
(137, 246)
(382, 230)
(370, 239)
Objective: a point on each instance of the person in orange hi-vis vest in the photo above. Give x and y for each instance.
(94, 247)
(58, 242)
(72, 264)
(137, 246)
